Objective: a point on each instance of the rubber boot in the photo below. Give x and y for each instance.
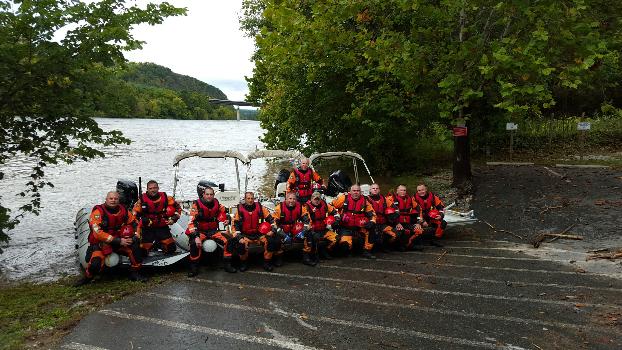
(323, 252)
(306, 259)
(228, 267)
(278, 260)
(384, 247)
(243, 266)
(267, 265)
(137, 277)
(82, 281)
(345, 249)
(368, 255)
(435, 243)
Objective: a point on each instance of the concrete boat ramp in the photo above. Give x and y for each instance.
(467, 294)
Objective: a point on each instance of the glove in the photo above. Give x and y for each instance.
(287, 238)
(301, 235)
(337, 220)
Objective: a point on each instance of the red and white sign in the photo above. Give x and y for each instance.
(460, 131)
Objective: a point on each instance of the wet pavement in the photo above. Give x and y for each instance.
(487, 294)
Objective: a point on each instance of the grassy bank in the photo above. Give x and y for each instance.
(39, 315)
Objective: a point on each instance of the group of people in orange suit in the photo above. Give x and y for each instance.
(377, 222)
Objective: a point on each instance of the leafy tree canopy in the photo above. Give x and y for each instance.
(53, 55)
(373, 75)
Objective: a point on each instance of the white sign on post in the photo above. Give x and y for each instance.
(584, 126)
(511, 126)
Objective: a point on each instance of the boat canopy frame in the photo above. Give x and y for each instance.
(345, 154)
(237, 157)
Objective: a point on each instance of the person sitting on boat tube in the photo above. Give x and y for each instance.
(408, 227)
(433, 210)
(291, 222)
(155, 212)
(357, 219)
(324, 219)
(386, 213)
(252, 225)
(301, 181)
(205, 214)
(113, 230)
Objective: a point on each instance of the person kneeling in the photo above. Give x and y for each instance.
(112, 232)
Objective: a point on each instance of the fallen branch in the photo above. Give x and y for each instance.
(608, 256)
(564, 232)
(500, 230)
(441, 256)
(539, 238)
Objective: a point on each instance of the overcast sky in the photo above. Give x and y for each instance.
(207, 44)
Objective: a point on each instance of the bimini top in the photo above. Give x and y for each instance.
(211, 154)
(274, 153)
(329, 155)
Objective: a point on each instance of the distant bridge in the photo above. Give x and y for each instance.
(235, 104)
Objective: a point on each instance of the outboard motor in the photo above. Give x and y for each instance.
(283, 176)
(128, 193)
(203, 184)
(338, 182)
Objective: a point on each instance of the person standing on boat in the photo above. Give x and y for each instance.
(301, 181)
(155, 212)
(357, 219)
(205, 214)
(252, 225)
(291, 222)
(323, 217)
(433, 210)
(113, 229)
(408, 227)
(386, 212)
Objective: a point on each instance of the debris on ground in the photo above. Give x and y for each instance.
(539, 238)
(605, 254)
(501, 230)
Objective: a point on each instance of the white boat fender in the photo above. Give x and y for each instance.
(209, 246)
(112, 259)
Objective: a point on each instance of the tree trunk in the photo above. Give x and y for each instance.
(462, 162)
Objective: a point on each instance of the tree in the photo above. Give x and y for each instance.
(48, 84)
(372, 76)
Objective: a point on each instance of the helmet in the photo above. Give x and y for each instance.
(265, 228)
(209, 246)
(330, 220)
(298, 227)
(127, 231)
(222, 217)
(111, 259)
(362, 221)
(170, 211)
(433, 213)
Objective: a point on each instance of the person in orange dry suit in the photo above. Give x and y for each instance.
(113, 229)
(357, 220)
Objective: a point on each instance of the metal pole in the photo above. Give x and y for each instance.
(511, 144)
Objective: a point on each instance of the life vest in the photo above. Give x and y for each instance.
(318, 215)
(207, 218)
(405, 205)
(303, 182)
(379, 207)
(425, 204)
(250, 219)
(111, 222)
(353, 211)
(153, 212)
(289, 216)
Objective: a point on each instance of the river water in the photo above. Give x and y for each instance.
(42, 246)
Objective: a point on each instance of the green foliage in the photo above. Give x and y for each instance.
(147, 90)
(372, 76)
(49, 85)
